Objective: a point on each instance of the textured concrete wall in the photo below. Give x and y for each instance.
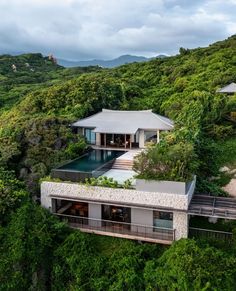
(180, 224)
(110, 195)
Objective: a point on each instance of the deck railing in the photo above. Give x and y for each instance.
(210, 234)
(128, 229)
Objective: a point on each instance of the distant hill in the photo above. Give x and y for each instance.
(20, 74)
(125, 59)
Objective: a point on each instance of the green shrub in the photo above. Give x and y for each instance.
(167, 161)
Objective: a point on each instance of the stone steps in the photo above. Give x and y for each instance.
(120, 164)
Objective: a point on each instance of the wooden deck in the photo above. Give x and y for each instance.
(210, 206)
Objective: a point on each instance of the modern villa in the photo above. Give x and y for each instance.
(123, 129)
(152, 211)
(148, 211)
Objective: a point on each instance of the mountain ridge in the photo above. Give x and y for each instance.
(121, 60)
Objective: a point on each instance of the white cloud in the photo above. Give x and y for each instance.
(85, 29)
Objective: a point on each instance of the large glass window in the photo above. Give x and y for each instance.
(163, 219)
(90, 135)
(116, 213)
(71, 208)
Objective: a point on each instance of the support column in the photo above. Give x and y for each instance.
(131, 140)
(158, 136)
(141, 139)
(180, 225)
(105, 139)
(98, 139)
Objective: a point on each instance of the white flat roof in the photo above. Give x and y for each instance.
(125, 122)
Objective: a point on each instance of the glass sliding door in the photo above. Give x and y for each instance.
(90, 136)
(117, 217)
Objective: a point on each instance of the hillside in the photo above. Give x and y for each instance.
(34, 134)
(37, 250)
(27, 72)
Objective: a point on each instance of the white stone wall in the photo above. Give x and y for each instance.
(110, 195)
(46, 200)
(180, 224)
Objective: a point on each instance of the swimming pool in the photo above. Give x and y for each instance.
(91, 161)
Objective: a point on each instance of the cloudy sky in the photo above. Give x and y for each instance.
(87, 29)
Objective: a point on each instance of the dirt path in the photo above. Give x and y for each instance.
(231, 188)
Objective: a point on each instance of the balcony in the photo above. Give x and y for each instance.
(120, 229)
(210, 234)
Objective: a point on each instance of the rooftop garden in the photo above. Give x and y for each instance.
(169, 160)
(102, 181)
(108, 182)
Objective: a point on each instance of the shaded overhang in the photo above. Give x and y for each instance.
(109, 129)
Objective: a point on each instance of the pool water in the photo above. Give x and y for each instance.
(92, 160)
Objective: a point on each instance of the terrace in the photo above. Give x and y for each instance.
(114, 164)
(112, 133)
(149, 212)
(115, 221)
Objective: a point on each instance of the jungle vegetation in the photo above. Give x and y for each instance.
(38, 102)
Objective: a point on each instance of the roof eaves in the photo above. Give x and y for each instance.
(164, 121)
(86, 118)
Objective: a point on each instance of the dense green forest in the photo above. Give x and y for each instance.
(39, 100)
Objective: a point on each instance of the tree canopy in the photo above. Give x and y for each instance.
(38, 102)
